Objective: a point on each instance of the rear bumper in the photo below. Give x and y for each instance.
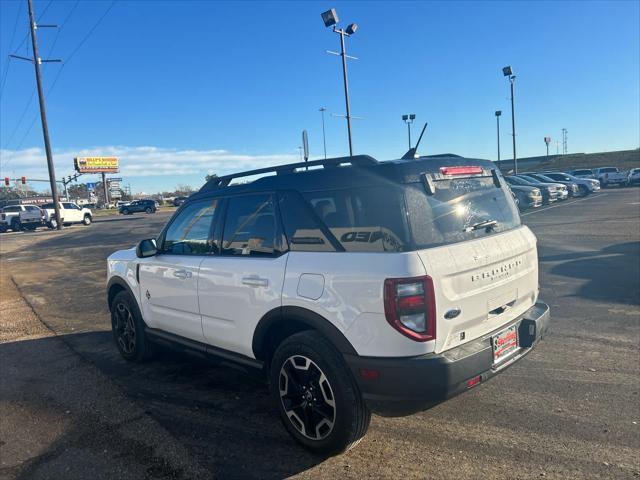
(409, 384)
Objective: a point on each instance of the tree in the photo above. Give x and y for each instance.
(78, 190)
(183, 190)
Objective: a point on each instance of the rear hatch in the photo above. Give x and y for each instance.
(483, 262)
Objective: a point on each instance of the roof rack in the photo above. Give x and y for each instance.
(224, 181)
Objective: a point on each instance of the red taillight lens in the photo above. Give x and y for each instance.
(410, 307)
(460, 170)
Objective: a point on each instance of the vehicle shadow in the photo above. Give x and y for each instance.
(612, 273)
(225, 417)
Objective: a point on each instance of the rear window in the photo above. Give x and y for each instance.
(456, 207)
(582, 172)
(608, 170)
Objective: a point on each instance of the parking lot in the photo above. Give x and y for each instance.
(73, 408)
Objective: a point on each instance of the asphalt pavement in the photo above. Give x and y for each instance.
(570, 409)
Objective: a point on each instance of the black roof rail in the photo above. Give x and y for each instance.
(224, 181)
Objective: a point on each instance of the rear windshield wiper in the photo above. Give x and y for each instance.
(486, 224)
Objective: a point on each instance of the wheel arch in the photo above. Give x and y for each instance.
(117, 285)
(282, 322)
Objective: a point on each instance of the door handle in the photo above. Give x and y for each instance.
(182, 274)
(255, 281)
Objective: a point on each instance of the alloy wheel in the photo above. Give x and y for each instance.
(307, 397)
(125, 328)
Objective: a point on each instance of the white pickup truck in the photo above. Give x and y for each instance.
(609, 176)
(20, 217)
(70, 213)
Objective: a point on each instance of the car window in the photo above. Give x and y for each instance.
(31, 208)
(363, 219)
(608, 170)
(11, 209)
(250, 226)
(68, 205)
(301, 226)
(190, 231)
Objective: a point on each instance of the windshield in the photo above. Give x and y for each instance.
(582, 172)
(456, 207)
(608, 170)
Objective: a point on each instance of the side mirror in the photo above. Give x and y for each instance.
(147, 248)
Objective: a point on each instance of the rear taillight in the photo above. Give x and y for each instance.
(410, 307)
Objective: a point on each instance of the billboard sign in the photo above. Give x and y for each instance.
(96, 164)
(91, 186)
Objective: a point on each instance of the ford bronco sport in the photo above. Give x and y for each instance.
(357, 286)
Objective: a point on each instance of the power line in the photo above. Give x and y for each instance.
(66, 62)
(13, 35)
(37, 21)
(33, 92)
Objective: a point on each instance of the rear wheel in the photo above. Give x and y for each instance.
(584, 191)
(125, 212)
(317, 398)
(128, 329)
(148, 210)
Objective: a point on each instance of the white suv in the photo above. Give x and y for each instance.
(69, 213)
(356, 287)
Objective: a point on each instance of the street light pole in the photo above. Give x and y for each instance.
(498, 113)
(512, 79)
(342, 33)
(324, 139)
(43, 117)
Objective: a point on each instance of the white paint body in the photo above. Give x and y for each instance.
(220, 300)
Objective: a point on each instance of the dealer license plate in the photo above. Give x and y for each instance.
(505, 343)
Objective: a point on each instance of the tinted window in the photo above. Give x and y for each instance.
(608, 170)
(516, 181)
(250, 226)
(11, 209)
(363, 219)
(68, 206)
(190, 231)
(582, 172)
(449, 215)
(557, 176)
(31, 208)
(300, 225)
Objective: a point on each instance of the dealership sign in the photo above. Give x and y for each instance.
(96, 164)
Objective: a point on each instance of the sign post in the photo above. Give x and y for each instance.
(547, 141)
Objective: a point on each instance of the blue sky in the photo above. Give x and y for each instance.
(179, 89)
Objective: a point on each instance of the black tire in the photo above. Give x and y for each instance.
(148, 210)
(128, 331)
(16, 225)
(87, 219)
(337, 428)
(583, 190)
(125, 212)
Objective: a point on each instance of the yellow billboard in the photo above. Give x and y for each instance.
(96, 164)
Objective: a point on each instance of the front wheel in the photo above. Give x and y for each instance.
(128, 329)
(86, 220)
(16, 225)
(584, 191)
(148, 210)
(125, 212)
(317, 398)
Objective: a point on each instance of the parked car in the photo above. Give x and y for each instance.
(633, 178)
(585, 185)
(610, 176)
(363, 286)
(69, 213)
(122, 203)
(20, 217)
(565, 189)
(137, 206)
(528, 197)
(549, 192)
(179, 201)
(583, 173)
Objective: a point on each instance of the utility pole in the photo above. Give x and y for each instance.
(43, 114)
(106, 190)
(324, 139)
(564, 141)
(513, 126)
